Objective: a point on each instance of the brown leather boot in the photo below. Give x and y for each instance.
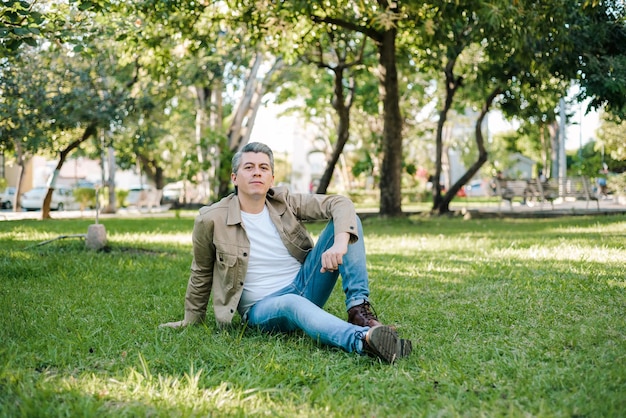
(363, 316)
(382, 342)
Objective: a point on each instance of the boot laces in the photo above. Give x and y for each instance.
(367, 310)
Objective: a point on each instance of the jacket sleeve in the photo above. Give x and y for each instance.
(314, 207)
(201, 277)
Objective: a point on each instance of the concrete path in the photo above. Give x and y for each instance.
(458, 206)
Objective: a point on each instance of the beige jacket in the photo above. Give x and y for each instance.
(221, 246)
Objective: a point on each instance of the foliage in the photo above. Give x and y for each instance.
(589, 161)
(164, 79)
(598, 34)
(19, 24)
(611, 137)
(120, 197)
(508, 317)
(86, 197)
(617, 183)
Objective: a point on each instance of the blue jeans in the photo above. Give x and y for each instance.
(300, 305)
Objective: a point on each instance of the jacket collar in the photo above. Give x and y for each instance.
(274, 201)
(234, 211)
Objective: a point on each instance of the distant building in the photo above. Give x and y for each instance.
(520, 167)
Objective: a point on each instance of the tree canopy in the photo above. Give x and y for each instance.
(175, 86)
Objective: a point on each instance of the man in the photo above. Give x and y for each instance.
(252, 251)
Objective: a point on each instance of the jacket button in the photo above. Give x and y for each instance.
(245, 254)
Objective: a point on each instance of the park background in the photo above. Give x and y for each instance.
(392, 99)
(510, 317)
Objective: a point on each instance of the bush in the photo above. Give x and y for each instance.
(121, 196)
(617, 183)
(86, 197)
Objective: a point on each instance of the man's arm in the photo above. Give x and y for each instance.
(311, 207)
(201, 277)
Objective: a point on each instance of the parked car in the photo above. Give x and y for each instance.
(62, 199)
(7, 197)
(173, 192)
(138, 193)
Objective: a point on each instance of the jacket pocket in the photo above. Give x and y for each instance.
(227, 268)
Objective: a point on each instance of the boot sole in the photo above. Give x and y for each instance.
(383, 341)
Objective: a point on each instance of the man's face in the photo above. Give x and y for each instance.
(254, 176)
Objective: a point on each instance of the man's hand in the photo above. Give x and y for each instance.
(332, 258)
(177, 324)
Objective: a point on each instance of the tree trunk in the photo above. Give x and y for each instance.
(112, 206)
(452, 84)
(153, 170)
(444, 206)
(200, 93)
(342, 106)
(235, 132)
(245, 114)
(89, 131)
(553, 128)
(17, 205)
(544, 148)
(391, 170)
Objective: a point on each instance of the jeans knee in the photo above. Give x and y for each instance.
(287, 302)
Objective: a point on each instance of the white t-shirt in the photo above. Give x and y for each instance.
(270, 266)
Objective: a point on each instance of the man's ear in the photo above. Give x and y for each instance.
(233, 178)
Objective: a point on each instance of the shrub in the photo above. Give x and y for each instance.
(617, 183)
(86, 197)
(121, 196)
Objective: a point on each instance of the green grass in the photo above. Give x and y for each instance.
(509, 317)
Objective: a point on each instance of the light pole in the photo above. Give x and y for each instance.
(580, 139)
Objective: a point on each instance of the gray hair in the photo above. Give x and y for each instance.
(252, 147)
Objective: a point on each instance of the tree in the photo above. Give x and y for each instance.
(611, 138)
(599, 33)
(20, 127)
(20, 23)
(86, 99)
(458, 39)
(381, 27)
(376, 19)
(344, 54)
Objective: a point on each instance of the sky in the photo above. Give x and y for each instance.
(278, 132)
(589, 124)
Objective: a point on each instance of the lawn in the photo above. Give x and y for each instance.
(509, 317)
